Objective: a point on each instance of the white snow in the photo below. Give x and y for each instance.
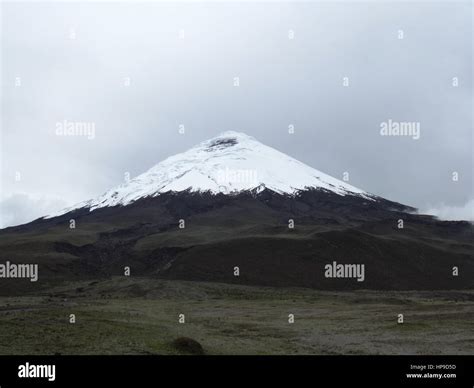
(229, 163)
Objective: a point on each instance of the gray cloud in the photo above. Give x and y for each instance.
(189, 81)
(20, 208)
(453, 213)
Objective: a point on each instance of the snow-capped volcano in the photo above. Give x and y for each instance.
(138, 224)
(229, 163)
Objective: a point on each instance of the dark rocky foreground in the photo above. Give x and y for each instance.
(251, 232)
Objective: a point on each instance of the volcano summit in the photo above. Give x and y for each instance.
(231, 163)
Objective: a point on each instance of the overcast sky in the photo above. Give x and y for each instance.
(138, 71)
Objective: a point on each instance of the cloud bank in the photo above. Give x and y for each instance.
(20, 208)
(453, 213)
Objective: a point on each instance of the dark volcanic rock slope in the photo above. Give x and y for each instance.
(249, 231)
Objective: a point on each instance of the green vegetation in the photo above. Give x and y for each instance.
(140, 316)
